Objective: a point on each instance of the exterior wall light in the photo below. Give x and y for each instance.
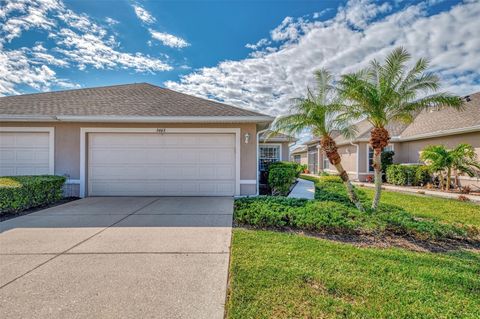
(247, 138)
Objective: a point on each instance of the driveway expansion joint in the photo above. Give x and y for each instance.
(76, 245)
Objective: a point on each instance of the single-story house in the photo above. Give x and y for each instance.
(299, 155)
(133, 140)
(430, 127)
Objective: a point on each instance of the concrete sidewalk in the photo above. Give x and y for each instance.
(303, 189)
(118, 257)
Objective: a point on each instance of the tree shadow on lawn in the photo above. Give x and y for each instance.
(385, 240)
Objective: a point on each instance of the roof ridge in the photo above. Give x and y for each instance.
(77, 89)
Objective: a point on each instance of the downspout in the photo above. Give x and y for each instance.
(358, 159)
(258, 158)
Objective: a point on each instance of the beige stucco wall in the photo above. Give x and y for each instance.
(67, 145)
(409, 152)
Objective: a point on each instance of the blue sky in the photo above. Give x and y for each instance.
(253, 54)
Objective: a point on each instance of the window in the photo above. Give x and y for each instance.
(326, 162)
(370, 156)
(268, 154)
(297, 158)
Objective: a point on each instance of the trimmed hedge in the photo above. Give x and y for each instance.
(333, 212)
(402, 175)
(18, 193)
(281, 176)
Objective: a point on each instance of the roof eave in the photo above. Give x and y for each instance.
(138, 119)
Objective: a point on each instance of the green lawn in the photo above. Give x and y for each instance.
(448, 210)
(279, 275)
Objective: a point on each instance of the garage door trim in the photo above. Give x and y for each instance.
(51, 141)
(85, 130)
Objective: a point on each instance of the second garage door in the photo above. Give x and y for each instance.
(148, 164)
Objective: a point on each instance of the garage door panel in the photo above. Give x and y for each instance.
(154, 188)
(167, 172)
(151, 164)
(24, 153)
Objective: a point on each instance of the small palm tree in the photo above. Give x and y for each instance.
(438, 160)
(462, 159)
(465, 161)
(389, 92)
(317, 112)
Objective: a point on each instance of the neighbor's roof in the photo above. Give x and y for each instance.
(428, 123)
(276, 137)
(299, 149)
(140, 101)
(444, 120)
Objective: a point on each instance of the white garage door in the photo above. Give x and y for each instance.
(23, 153)
(147, 164)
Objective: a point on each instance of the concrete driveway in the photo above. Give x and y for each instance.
(118, 257)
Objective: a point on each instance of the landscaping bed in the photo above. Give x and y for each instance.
(284, 275)
(20, 193)
(333, 213)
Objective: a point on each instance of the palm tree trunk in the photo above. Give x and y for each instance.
(379, 138)
(449, 178)
(441, 181)
(348, 185)
(330, 148)
(377, 166)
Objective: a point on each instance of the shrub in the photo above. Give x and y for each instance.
(331, 188)
(398, 174)
(423, 176)
(387, 160)
(281, 175)
(337, 217)
(18, 193)
(402, 175)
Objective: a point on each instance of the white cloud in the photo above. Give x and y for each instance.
(267, 81)
(143, 14)
(17, 69)
(359, 12)
(260, 43)
(111, 21)
(169, 39)
(78, 42)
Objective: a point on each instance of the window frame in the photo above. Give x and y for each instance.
(369, 148)
(261, 166)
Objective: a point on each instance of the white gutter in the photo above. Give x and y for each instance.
(140, 119)
(27, 118)
(470, 129)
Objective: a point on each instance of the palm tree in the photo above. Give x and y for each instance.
(465, 161)
(462, 159)
(389, 92)
(317, 112)
(438, 160)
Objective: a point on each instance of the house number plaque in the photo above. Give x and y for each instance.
(161, 130)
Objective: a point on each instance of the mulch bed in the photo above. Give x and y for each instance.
(7, 216)
(384, 240)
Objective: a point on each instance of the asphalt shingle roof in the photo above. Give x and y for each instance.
(443, 119)
(140, 99)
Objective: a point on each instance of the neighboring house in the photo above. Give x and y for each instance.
(132, 140)
(299, 155)
(430, 127)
